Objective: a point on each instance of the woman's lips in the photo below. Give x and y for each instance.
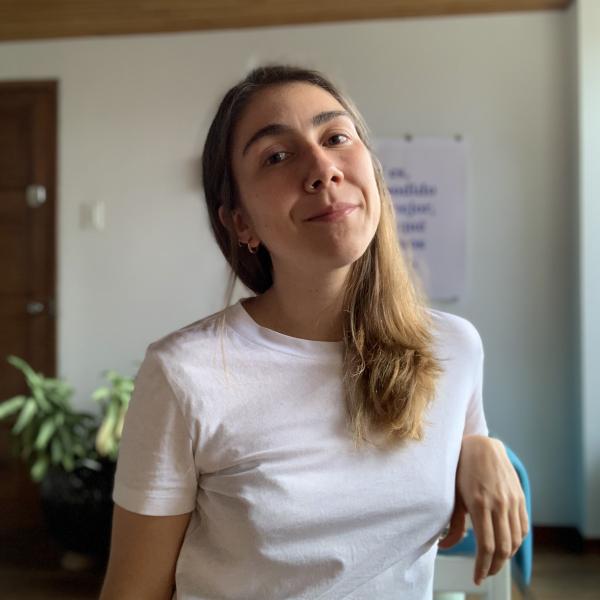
(335, 215)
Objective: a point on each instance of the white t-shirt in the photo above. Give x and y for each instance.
(247, 429)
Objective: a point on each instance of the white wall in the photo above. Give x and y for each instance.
(588, 46)
(133, 114)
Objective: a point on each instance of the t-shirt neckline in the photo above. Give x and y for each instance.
(244, 325)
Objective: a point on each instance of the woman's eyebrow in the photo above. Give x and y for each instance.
(275, 128)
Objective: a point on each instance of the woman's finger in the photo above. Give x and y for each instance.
(484, 533)
(502, 538)
(524, 518)
(456, 529)
(515, 528)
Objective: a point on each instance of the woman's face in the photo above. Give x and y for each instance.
(296, 155)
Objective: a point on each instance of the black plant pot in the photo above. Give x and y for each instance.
(77, 508)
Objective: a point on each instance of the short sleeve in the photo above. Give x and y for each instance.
(475, 423)
(155, 472)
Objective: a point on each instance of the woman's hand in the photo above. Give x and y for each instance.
(488, 489)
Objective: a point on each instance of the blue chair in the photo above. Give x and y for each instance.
(521, 563)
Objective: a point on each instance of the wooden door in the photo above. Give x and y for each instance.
(27, 268)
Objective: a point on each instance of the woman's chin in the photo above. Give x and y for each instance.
(339, 258)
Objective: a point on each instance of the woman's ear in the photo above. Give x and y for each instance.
(223, 218)
(236, 222)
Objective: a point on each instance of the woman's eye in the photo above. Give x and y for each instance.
(338, 138)
(275, 158)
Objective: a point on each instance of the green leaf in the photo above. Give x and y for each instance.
(46, 430)
(112, 375)
(56, 451)
(58, 386)
(26, 415)
(67, 443)
(112, 415)
(61, 402)
(113, 449)
(39, 468)
(32, 377)
(8, 407)
(78, 450)
(124, 397)
(44, 404)
(63, 390)
(101, 394)
(67, 462)
(40, 398)
(27, 439)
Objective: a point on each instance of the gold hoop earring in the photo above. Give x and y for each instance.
(250, 249)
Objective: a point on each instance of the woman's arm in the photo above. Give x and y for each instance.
(488, 489)
(143, 555)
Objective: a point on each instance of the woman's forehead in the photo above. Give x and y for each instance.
(282, 103)
(291, 94)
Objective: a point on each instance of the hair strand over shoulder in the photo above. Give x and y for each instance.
(390, 371)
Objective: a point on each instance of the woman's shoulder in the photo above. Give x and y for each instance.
(452, 330)
(194, 339)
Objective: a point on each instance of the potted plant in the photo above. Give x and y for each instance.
(114, 400)
(71, 454)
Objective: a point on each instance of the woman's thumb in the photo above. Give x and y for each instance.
(457, 528)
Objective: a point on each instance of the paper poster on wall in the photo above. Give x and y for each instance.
(427, 179)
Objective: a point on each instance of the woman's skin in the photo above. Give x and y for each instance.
(297, 170)
(294, 155)
(488, 490)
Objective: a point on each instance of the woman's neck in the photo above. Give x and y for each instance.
(302, 310)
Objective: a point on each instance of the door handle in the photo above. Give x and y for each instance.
(35, 308)
(36, 195)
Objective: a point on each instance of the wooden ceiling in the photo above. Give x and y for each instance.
(39, 19)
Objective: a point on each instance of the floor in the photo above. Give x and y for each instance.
(565, 576)
(557, 575)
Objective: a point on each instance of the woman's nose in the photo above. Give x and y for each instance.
(322, 171)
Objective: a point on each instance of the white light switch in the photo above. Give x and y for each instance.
(99, 215)
(92, 215)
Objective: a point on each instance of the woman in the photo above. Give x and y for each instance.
(314, 440)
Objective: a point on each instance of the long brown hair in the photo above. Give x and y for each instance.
(390, 371)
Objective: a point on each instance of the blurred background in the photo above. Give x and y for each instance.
(105, 244)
